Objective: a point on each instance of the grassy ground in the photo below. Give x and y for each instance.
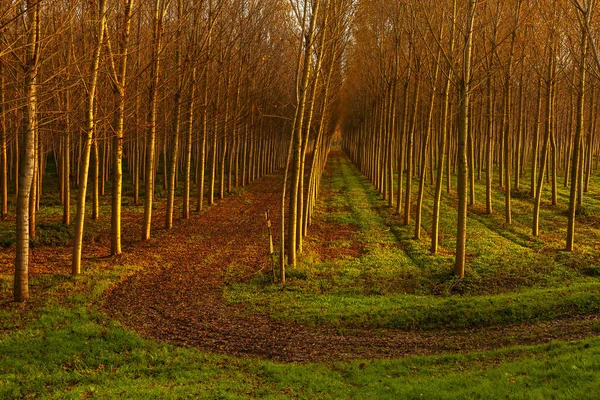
(60, 345)
(65, 348)
(396, 283)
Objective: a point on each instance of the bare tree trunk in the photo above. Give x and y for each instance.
(214, 154)
(119, 89)
(27, 155)
(507, 123)
(89, 130)
(67, 161)
(34, 183)
(200, 202)
(437, 198)
(171, 179)
(576, 163)
(549, 126)
(410, 146)
(187, 183)
(463, 123)
(160, 9)
(95, 177)
(3, 143)
(489, 173)
(536, 141)
(297, 136)
(424, 148)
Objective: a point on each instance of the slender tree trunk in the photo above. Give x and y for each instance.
(120, 92)
(489, 174)
(507, 124)
(159, 13)
(536, 140)
(401, 148)
(172, 181)
(214, 154)
(187, 184)
(89, 132)
(437, 198)
(549, 126)
(34, 183)
(202, 161)
(3, 146)
(303, 90)
(410, 148)
(576, 163)
(463, 123)
(27, 155)
(95, 176)
(424, 149)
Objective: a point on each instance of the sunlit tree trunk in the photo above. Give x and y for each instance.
(507, 123)
(410, 146)
(489, 173)
(437, 198)
(172, 173)
(27, 155)
(576, 164)
(303, 90)
(90, 122)
(536, 140)
(425, 145)
(95, 176)
(463, 124)
(549, 127)
(187, 183)
(159, 11)
(3, 147)
(119, 89)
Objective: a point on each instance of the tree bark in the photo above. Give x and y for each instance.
(89, 132)
(27, 155)
(159, 11)
(463, 123)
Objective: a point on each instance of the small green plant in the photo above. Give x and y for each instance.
(52, 234)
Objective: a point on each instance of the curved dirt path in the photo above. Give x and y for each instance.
(178, 297)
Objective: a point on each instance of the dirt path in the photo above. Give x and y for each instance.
(178, 297)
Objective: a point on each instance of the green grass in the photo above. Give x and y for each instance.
(511, 277)
(66, 348)
(421, 312)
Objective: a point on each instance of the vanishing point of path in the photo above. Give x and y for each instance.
(178, 297)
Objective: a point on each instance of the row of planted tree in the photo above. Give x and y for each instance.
(210, 94)
(484, 89)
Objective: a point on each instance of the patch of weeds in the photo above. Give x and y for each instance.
(8, 241)
(592, 270)
(520, 194)
(297, 274)
(52, 234)
(238, 191)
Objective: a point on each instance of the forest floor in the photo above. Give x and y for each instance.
(367, 313)
(179, 296)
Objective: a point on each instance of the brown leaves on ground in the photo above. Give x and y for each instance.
(331, 240)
